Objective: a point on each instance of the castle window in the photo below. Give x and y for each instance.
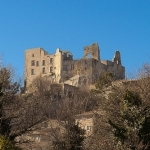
(72, 67)
(89, 55)
(37, 63)
(51, 60)
(32, 55)
(32, 71)
(43, 63)
(32, 63)
(43, 70)
(64, 67)
(51, 69)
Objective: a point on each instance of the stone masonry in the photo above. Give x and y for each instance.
(62, 68)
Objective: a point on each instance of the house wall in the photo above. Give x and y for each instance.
(85, 121)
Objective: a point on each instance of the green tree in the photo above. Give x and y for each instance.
(6, 144)
(104, 80)
(127, 113)
(131, 128)
(7, 96)
(8, 92)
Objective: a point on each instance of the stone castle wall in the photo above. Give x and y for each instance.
(61, 66)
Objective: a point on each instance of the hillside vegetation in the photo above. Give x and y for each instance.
(123, 125)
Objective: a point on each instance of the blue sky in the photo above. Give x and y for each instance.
(122, 25)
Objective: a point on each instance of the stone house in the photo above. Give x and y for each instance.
(41, 136)
(86, 120)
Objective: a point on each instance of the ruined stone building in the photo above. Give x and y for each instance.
(62, 68)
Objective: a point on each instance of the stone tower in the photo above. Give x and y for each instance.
(117, 58)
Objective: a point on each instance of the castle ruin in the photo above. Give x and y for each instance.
(62, 68)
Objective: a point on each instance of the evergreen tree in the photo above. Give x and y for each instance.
(6, 144)
(104, 80)
(132, 129)
(8, 92)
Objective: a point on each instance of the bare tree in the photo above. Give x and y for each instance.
(126, 101)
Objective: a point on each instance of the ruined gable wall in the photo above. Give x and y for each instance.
(97, 69)
(87, 68)
(117, 69)
(91, 69)
(92, 51)
(69, 69)
(77, 67)
(66, 55)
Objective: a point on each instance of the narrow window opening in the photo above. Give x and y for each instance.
(32, 71)
(37, 63)
(89, 55)
(43, 70)
(72, 67)
(43, 62)
(51, 60)
(32, 63)
(64, 67)
(51, 69)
